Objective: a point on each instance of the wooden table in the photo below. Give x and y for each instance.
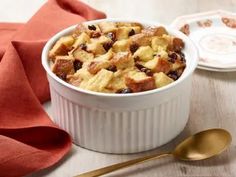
(213, 102)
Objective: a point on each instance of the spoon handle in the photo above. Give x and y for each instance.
(121, 165)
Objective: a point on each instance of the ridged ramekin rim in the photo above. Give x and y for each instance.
(187, 72)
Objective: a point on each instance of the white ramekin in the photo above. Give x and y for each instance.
(122, 123)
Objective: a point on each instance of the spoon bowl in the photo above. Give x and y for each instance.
(203, 145)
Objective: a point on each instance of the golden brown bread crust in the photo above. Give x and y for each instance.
(63, 65)
(96, 66)
(122, 60)
(161, 79)
(162, 66)
(158, 31)
(176, 45)
(82, 55)
(141, 39)
(61, 47)
(142, 85)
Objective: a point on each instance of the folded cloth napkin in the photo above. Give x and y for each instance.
(29, 140)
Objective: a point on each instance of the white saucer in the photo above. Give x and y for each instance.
(214, 34)
(216, 69)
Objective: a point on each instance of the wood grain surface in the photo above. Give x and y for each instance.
(213, 102)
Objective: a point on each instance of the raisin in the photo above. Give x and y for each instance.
(83, 47)
(132, 32)
(112, 68)
(77, 65)
(92, 27)
(62, 76)
(107, 45)
(133, 47)
(112, 36)
(136, 58)
(143, 69)
(139, 66)
(125, 90)
(147, 71)
(173, 75)
(172, 57)
(95, 34)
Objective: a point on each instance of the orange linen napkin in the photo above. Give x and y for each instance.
(29, 140)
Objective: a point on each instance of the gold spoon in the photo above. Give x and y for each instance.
(200, 146)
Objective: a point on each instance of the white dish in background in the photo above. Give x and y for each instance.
(216, 69)
(214, 34)
(122, 123)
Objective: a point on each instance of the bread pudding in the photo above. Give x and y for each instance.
(118, 57)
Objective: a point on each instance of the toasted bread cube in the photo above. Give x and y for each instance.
(81, 39)
(103, 39)
(151, 64)
(139, 81)
(155, 31)
(161, 79)
(96, 48)
(176, 44)
(121, 46)
(103, 43)
(99, 81)
(122, 60)
(107, 56)
(162, 65)
(61, 47)
(144, 53)
(116, 84)
(80, 28)
(88, 29)
(81, 75)
(158, 65)
(123, 32)
(159, 43)
(162, 53)
(96, 66)
(137, 27)
(141, 39)
(82, 55)
(100, 62)
(178, 65)
(63, 65)
(107, 27)
(169, 38)
(73, 80)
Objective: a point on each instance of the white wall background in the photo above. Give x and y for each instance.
(163, 11)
